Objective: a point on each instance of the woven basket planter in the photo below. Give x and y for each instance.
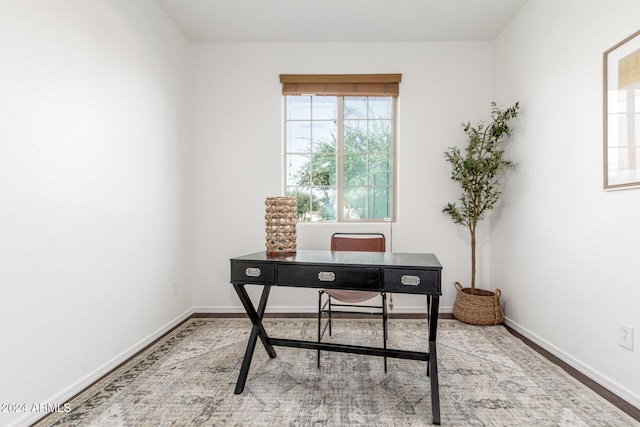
(482, 308)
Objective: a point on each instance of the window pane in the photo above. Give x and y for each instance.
(324, 204)
(355, 136)
(355, 203)
(299, 137)
(298, 107)
(324, 136)
(379, 169)
(325, 107)
(303, 200)
(379, 135)
(380, 107)
(379, 202)
(323, 169)
(298, 169)
(354, 169)
(355, 107)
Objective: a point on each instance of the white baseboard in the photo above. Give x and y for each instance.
(66, 394)
(614, 387)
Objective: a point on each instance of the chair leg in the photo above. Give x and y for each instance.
(384, 326)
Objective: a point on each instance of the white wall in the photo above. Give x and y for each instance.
(564, 252)
(238, 153)
(92, 207)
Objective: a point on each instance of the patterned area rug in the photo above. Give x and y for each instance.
(487, 378)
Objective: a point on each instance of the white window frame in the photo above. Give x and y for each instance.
(340, 215)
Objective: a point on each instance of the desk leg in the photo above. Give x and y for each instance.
(256, 331)
(433, 361)
(428, 321)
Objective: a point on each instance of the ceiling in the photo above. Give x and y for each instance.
(340, 20)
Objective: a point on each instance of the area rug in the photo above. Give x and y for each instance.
(487, 377)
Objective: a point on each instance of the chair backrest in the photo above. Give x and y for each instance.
(369, 242)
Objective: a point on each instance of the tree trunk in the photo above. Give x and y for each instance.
(473, 260)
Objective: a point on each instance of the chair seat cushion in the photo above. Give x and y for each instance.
(351, 296)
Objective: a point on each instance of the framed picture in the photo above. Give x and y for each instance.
(621, 66)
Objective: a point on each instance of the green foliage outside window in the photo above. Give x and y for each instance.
(366, 173)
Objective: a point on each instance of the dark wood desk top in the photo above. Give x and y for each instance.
(376, 259)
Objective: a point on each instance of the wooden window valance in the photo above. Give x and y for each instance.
(341, 84)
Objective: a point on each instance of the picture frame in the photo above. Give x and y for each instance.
(621, 77)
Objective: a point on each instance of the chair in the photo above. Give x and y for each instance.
(370, 242)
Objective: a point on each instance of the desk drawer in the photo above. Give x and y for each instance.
(252, 272)
(408, 281)
(331, 277)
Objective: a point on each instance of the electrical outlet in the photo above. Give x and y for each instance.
(625, 337)
(175, 288)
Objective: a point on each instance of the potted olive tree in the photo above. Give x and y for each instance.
(479, 170)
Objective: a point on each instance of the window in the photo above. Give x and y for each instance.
(340, 146)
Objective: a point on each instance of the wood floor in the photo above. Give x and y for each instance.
(608, 395)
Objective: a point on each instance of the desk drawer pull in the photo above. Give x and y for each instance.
(252, 272)
(410, 280)
(326, 276)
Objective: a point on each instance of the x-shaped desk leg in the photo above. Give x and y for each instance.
(256, 331)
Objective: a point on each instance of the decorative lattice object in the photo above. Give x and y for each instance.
(280, 218)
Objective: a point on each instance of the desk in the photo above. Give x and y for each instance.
(365, 271)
